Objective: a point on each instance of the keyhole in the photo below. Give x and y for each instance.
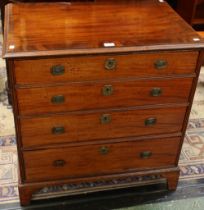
(107, 90)
(105, 118)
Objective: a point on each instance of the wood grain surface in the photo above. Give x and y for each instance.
(83, 68)
(135, 26)
(88, 127)
(101, 95)
(59, 52)
(88, 160)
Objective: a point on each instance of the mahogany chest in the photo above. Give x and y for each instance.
(101, 92)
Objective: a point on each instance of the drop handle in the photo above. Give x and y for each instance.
(150, 121)
(155, 92)
(58, 99)
(160, 64)
(58, 130)
(57, 70)
(59, 163)
(145, 154)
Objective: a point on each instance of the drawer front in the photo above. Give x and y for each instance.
(100, 159)
(84, 96)
(100, 125)
(103, 67)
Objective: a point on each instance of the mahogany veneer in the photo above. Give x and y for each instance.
(86, 68)
(85, 96)
(101, 98)
(87, 126)
(77, 158)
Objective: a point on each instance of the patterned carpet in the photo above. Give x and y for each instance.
(191, 160)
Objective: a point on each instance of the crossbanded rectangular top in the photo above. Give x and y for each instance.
(45, 29)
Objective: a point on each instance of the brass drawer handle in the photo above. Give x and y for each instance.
(145, 154)
(58, 99)
(59, 163)
(105, 119)
(104, 150)
(150, 121)
(107, 90)
(110, 64)
(58, 130)
(57, 70)
(156, 92)
(160, 64)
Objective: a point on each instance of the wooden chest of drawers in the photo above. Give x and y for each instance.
(97, 97)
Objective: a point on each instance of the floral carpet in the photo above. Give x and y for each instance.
(191, 160)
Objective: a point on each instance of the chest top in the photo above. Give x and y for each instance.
(78, 28)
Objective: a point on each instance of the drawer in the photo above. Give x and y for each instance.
(85, 126)
(100, 159)
(99, 95)
(82, 68)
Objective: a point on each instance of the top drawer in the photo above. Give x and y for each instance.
(41, 71)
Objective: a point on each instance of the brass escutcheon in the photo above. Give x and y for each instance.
(104, 150)
(107, 90)
(156, 92)
(110, 64)
(105, 119)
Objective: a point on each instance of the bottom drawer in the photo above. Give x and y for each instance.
(100, 159)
